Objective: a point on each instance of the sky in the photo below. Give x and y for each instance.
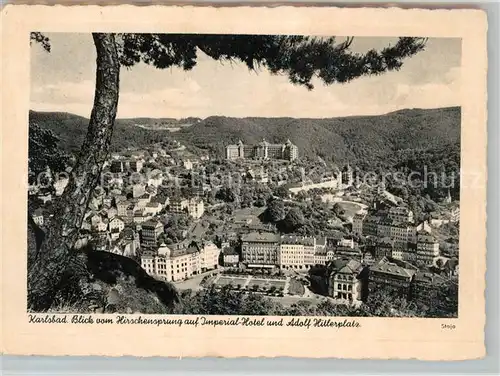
(64, 79)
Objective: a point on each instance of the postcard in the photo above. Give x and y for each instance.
(188, 181)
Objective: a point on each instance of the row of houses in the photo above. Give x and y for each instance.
(350, 280)
(270, 250)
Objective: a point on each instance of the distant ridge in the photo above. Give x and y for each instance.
(342, 138)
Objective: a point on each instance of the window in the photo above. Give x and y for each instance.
(339, 286)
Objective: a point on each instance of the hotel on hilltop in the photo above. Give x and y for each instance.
(263, 150)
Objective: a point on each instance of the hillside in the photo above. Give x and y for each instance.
(71, 129)
(345, 138)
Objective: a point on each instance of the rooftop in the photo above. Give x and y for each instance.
(261, 237)
(430, 278)
(392, 268)
(290, 239)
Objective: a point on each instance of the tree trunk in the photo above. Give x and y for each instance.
(55, 255)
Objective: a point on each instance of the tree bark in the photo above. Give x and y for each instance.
(45, 273)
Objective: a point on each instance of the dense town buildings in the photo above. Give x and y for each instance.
(386, 249)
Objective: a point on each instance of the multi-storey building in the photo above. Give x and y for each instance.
(38, 217)
(426, 286)
(347, 176)
(345, 279)
(348, 252)
(400, 214)
(384, 248)
(230, 256)
(209, 255)
(357, 223)
(150, 233)
(427, 248)
(178, 205)
(180, 261)
(194, 207)
(263, 150)
(297, 252)
(370, 225)
(125, 164)
(260, 249)
(116, 225)
(320, 251)
(391, 275)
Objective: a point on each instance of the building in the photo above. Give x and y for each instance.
(320, 251)
(138, 190)
(150, 233)
(263, 150)
(260, 249)
(194, 207)
(409, 254)
(38, 217)
(455, 214)
(188, 165)
(60, 185)
(100, 226)
(357, 223)
(370, 225)
(329, 182)
(426, 286)
(178, 205)
(260, 176)
(116, 225)
(209, 255)
(345, 279)
(125, 164)
(384, 248)
(179, 261)
(152, 208)
(427, 248)
(424, 226)
(390, 275)
(353, 253)
(297, 252)
(347, 176)
(400, 214)
(230, 257)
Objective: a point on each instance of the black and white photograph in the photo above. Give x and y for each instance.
(240, 174)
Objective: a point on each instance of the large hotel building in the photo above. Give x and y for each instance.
(263, 150)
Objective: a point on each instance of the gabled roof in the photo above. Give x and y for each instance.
(345, 265)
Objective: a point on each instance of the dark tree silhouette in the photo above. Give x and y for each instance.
(301, 58)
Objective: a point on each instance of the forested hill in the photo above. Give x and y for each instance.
(71, 130)
(344, 138)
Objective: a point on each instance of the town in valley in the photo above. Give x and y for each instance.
(257, 219)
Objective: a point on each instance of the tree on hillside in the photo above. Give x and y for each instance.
(301, 58)
(44, 152)
(275, 211)
(293, 220)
